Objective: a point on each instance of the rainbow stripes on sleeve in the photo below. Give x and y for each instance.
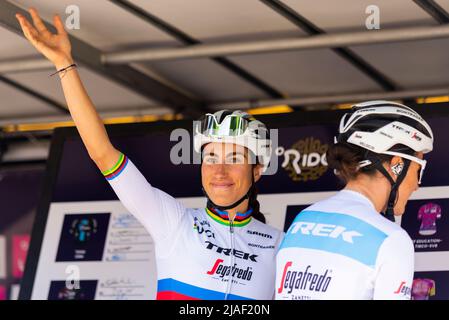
(117, 168)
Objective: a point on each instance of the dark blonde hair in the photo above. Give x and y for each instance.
(345, 159)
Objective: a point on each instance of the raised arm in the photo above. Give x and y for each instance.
(57, 49)
(156, 210)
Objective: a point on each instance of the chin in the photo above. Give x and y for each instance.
(219, 201)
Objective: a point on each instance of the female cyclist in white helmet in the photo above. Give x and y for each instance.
(347, 247)
(218, 252)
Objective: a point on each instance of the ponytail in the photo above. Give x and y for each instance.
(254, 204)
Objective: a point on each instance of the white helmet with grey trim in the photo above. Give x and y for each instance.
(386, 127)
(237, 127)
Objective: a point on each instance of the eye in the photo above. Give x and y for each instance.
(209, 160)
(236, 159)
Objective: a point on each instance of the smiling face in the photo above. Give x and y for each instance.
(226, 172)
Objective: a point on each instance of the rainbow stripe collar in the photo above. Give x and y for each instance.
(222, 217)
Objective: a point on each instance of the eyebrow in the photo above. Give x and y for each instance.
(235, 153)
(212, 154)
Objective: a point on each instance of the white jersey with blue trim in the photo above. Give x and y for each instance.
(342, 248)
(198, 251)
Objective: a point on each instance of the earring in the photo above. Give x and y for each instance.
(397, 168)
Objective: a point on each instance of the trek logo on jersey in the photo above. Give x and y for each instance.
(229, 251)
(234, 271)
(324, 230)
(203, 226)
(292, 279)
(404, 290)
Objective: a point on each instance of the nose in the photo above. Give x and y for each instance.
(220, 168)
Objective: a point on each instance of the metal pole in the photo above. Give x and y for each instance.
(196, 51)
(306, 101)
(313, 42)
(23, 65)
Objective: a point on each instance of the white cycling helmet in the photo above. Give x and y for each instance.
(236, 127)
(386, 127)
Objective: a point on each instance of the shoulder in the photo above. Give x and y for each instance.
(399, 240)
(397, 251)
(196, 213)
(355, 212)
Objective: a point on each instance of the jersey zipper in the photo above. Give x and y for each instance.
(230, 277)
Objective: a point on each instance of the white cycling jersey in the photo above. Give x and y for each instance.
(342, 248)
(198, 250)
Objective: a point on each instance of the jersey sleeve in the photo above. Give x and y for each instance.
(280, 239)
(157, 211)
(277, 247)
(395, 268)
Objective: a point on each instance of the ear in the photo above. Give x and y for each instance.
(395, 167)
(257, 172)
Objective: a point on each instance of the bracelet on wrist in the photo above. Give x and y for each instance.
(63, 70)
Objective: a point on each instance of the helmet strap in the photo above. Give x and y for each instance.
(393, 197)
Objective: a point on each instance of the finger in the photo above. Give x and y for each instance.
(26, 26)
(30, 33)
(28, 30)
(37, 21)
(59, 25)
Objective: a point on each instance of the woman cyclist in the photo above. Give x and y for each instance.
(220, 252)
(343, 247)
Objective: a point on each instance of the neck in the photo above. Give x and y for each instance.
(242, 208)
(374, 188)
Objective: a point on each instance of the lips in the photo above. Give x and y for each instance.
(221, 185)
